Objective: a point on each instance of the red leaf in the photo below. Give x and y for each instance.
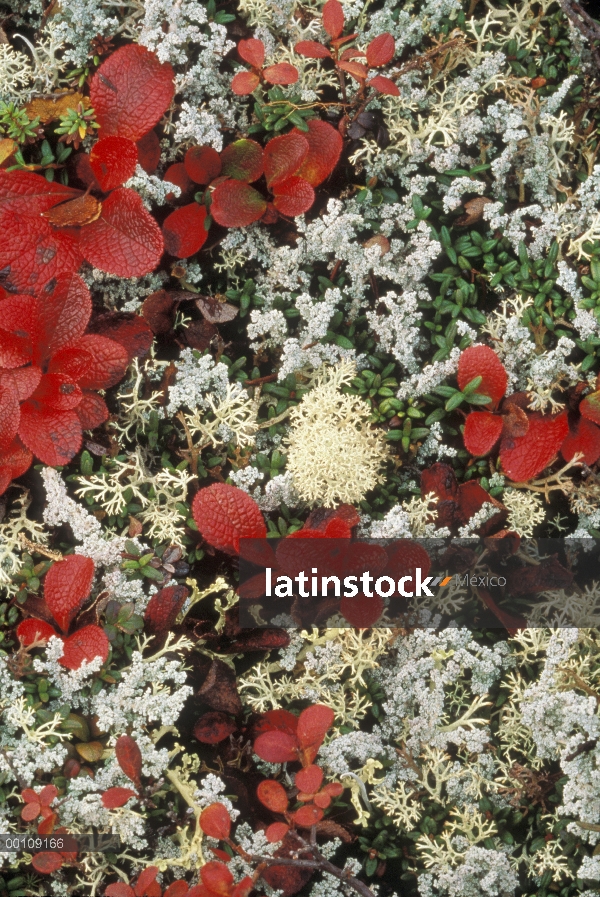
(31, 194)
(590, 407)
(272, 795)
(361, 612)
(313, 724)
(283, 155)
(64, 312)
(244, 83)
(96, 362)
(47, 795)
(236, 205)
(439, 479)
(351, 53)
(57, 392)
(333, 18)
(471, 498)
(322, 800)
(583, 436)
(15, 349)
(184, 232)
(30, 811)
(293, 196)
(252, 51)
(482, 432)
(125, 240)
(163, 608)
(148, 148)
(281, 73)
(24, 380)
(130, 91)
(334, 789)
(481, 361)
(177, 174)
(129, 758)
(32, 630)
(145, 881)
(47, 825)
(309, 815)
(276, 831)
(46, 862)
(113, 161)
(312, 49)
(525, 456)
(85, 644)
(381, 50)
(325, 145)
(54, 437)
(116, 797)
(213, 727)
(14, 461)
(119, 889)
(9, 412)
(225, 514)
(276, 747)
(202, 164)
(242, 160)
(177, 889)
(216, 877)
(384, 85)
(33, 253)
(356, 70)
(215, 821)
(128, 329)
(277, 720)
(309, 779)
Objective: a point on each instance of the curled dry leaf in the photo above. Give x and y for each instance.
(215, 311)
(473, 210)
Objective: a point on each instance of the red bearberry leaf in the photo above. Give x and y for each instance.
(96, 362)
(216, 877)
(177, 174)
(85, 644)
(243, 887)
(356, 70)
(31, 811)
(272, 795)
(236, 205)
(113, 161)
(65, 312)
(384, 85)
(322, 800)
(163, 608)
(381, 50)
(277, 721)
(47, 825)
(242, 160)
(313, 724)
(583, 436)
(145, 881)
(325, 145)
(14, 461)
(309, 779)
(213, 727)
(57, 392)
(252, 51)
(281, 73)
(128, 329)
(312, 49)
(309, 815)
(31, 194)
(590, 407)
(130, 91)
(9, 412)
(293, 196)
(15, 348)
(33, 253)
(202, 164)
(283, 155)
(215, 821)
(184, 232)
(334, 789)
(276, 747)
(471, 498)
(53, 436)
(116, 797)
(46, 862)
(482, 432)
(119, 889)
(129, 758)
(276, 832)
(225, 514)
(148, 148)
(158, 310)
(125, 240)
(24, 381)
(333, 18)
(32, 630)
(525, 456)
(244, 83)
(47, 795)
(177, 889)
(481, 361)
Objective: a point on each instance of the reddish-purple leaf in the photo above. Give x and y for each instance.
(32, 630)
(276, 747)
(163, 608)
(54, 437)
(129, 758)
(149, 152)
(95, 362)
(584, 437)
(213, 727)
(202, 164)
(590, 407)
(356, 70)
(481, 361)
(482, 432)
(184, 232)
(225, 514)
(126, 328)
(283, 155)
(526, 456)
(313, 724)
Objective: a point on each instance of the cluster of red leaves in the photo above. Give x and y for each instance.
(252, 51)
(315, 796)
(40, 804)
(292, 164)
(584, 428)
(49, 229)
(379, 51)
(529, 441)
(67, 585)
(285, 738)
(129, 758)
(457, 504)
(147, 886)
(50, 367)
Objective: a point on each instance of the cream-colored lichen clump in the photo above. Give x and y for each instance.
(333, 453)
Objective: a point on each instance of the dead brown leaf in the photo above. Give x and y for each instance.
(76, 212)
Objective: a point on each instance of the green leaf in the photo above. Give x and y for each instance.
(472, 385)
(478, 399)
(454, 401)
